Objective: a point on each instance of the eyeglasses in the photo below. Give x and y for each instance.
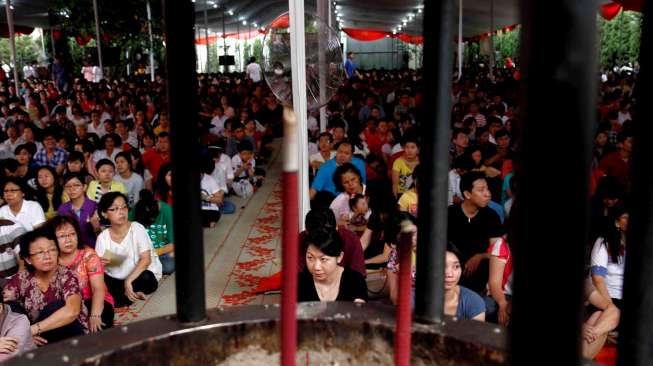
(12, 190)
(64, 236)
(40, 255)
(73, 186)
(118, 208)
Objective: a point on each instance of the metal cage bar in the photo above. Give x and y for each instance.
(562, 59)
(432, 236)
(179, 19)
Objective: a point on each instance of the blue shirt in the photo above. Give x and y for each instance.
(324, 178)
(470, 304)
(349, 68)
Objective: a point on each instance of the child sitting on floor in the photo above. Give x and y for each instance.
(360, 213)
(246, 175)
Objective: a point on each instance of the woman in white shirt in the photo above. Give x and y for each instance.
(25, 212)
(132, 267)
(608, 258)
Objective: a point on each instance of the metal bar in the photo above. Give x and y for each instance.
(12, 42)
(461, 45)
(432, 236)
(322, 39)
(560, 58)
(404, 318)
(206, 37)
(636, 334)
(298, 65)
(240, 59)
(225, 68)
(491, 39)
(149, 31)
(290, 239)
(98, 42)
(179, 19)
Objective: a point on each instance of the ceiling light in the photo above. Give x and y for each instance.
(230, 12)
(338, 7)
(254, 25)
(244, 22)
(215, 6)
(403, 22)
(419, 11)
(394, 31)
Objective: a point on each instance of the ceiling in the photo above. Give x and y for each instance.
(383, 15)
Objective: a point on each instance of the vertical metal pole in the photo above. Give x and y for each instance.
(460, 39)
(225, 68)
(290, 238)
(206, 36)
(433, 186)
(179, 20)
(404, 319)
(12, 43)
(322, 41)
(149, 31)
(98, 42)
(560, 58)
(492, 60)
(54, 52)
(298, 62)
(43, 44)
(636, 334)
(240, 60)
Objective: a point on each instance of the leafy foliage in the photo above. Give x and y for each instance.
(619, 39)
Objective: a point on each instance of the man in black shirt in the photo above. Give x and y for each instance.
(472, 228)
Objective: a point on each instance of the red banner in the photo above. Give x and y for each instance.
(365, 35)
(610, 11)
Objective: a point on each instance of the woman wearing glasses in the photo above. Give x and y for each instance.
(18, 209)
(80, 207)
(49, 294)
(88, 268)
(132, 266)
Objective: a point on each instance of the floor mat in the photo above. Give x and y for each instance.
(258, 255)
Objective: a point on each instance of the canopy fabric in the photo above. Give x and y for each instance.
(368, 35)
(243, 35)
(610, 10)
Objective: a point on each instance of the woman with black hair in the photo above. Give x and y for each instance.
(324, 279)
(156, 217)
(608, 257)
(49, 193)
(164, 183)
(18, 209)
(132, 266)
(77, 256)
(25, 169)
(49, 294)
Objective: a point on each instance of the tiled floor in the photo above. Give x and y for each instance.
(241, 249)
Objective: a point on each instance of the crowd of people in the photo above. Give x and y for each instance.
(365, 173)
(86, 216)
(86, 219)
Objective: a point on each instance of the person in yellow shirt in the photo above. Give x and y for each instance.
(408, 200)
(105, 183)
(402, 168)
(164, 124)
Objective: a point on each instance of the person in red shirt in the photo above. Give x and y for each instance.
(154, 158)
(617, 163)
(378, 137)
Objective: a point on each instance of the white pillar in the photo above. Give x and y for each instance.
(460, 40)
(206, 37)
(12, 42)
(323, 11)
(97, 38)
(298, 67)
(149, 30)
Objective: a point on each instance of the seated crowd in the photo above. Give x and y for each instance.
(365, 171)
(86, 191)
(86, 204)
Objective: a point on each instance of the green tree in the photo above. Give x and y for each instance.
(27, 50)
(619, 39)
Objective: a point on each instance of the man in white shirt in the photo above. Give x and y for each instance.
(253, 70)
